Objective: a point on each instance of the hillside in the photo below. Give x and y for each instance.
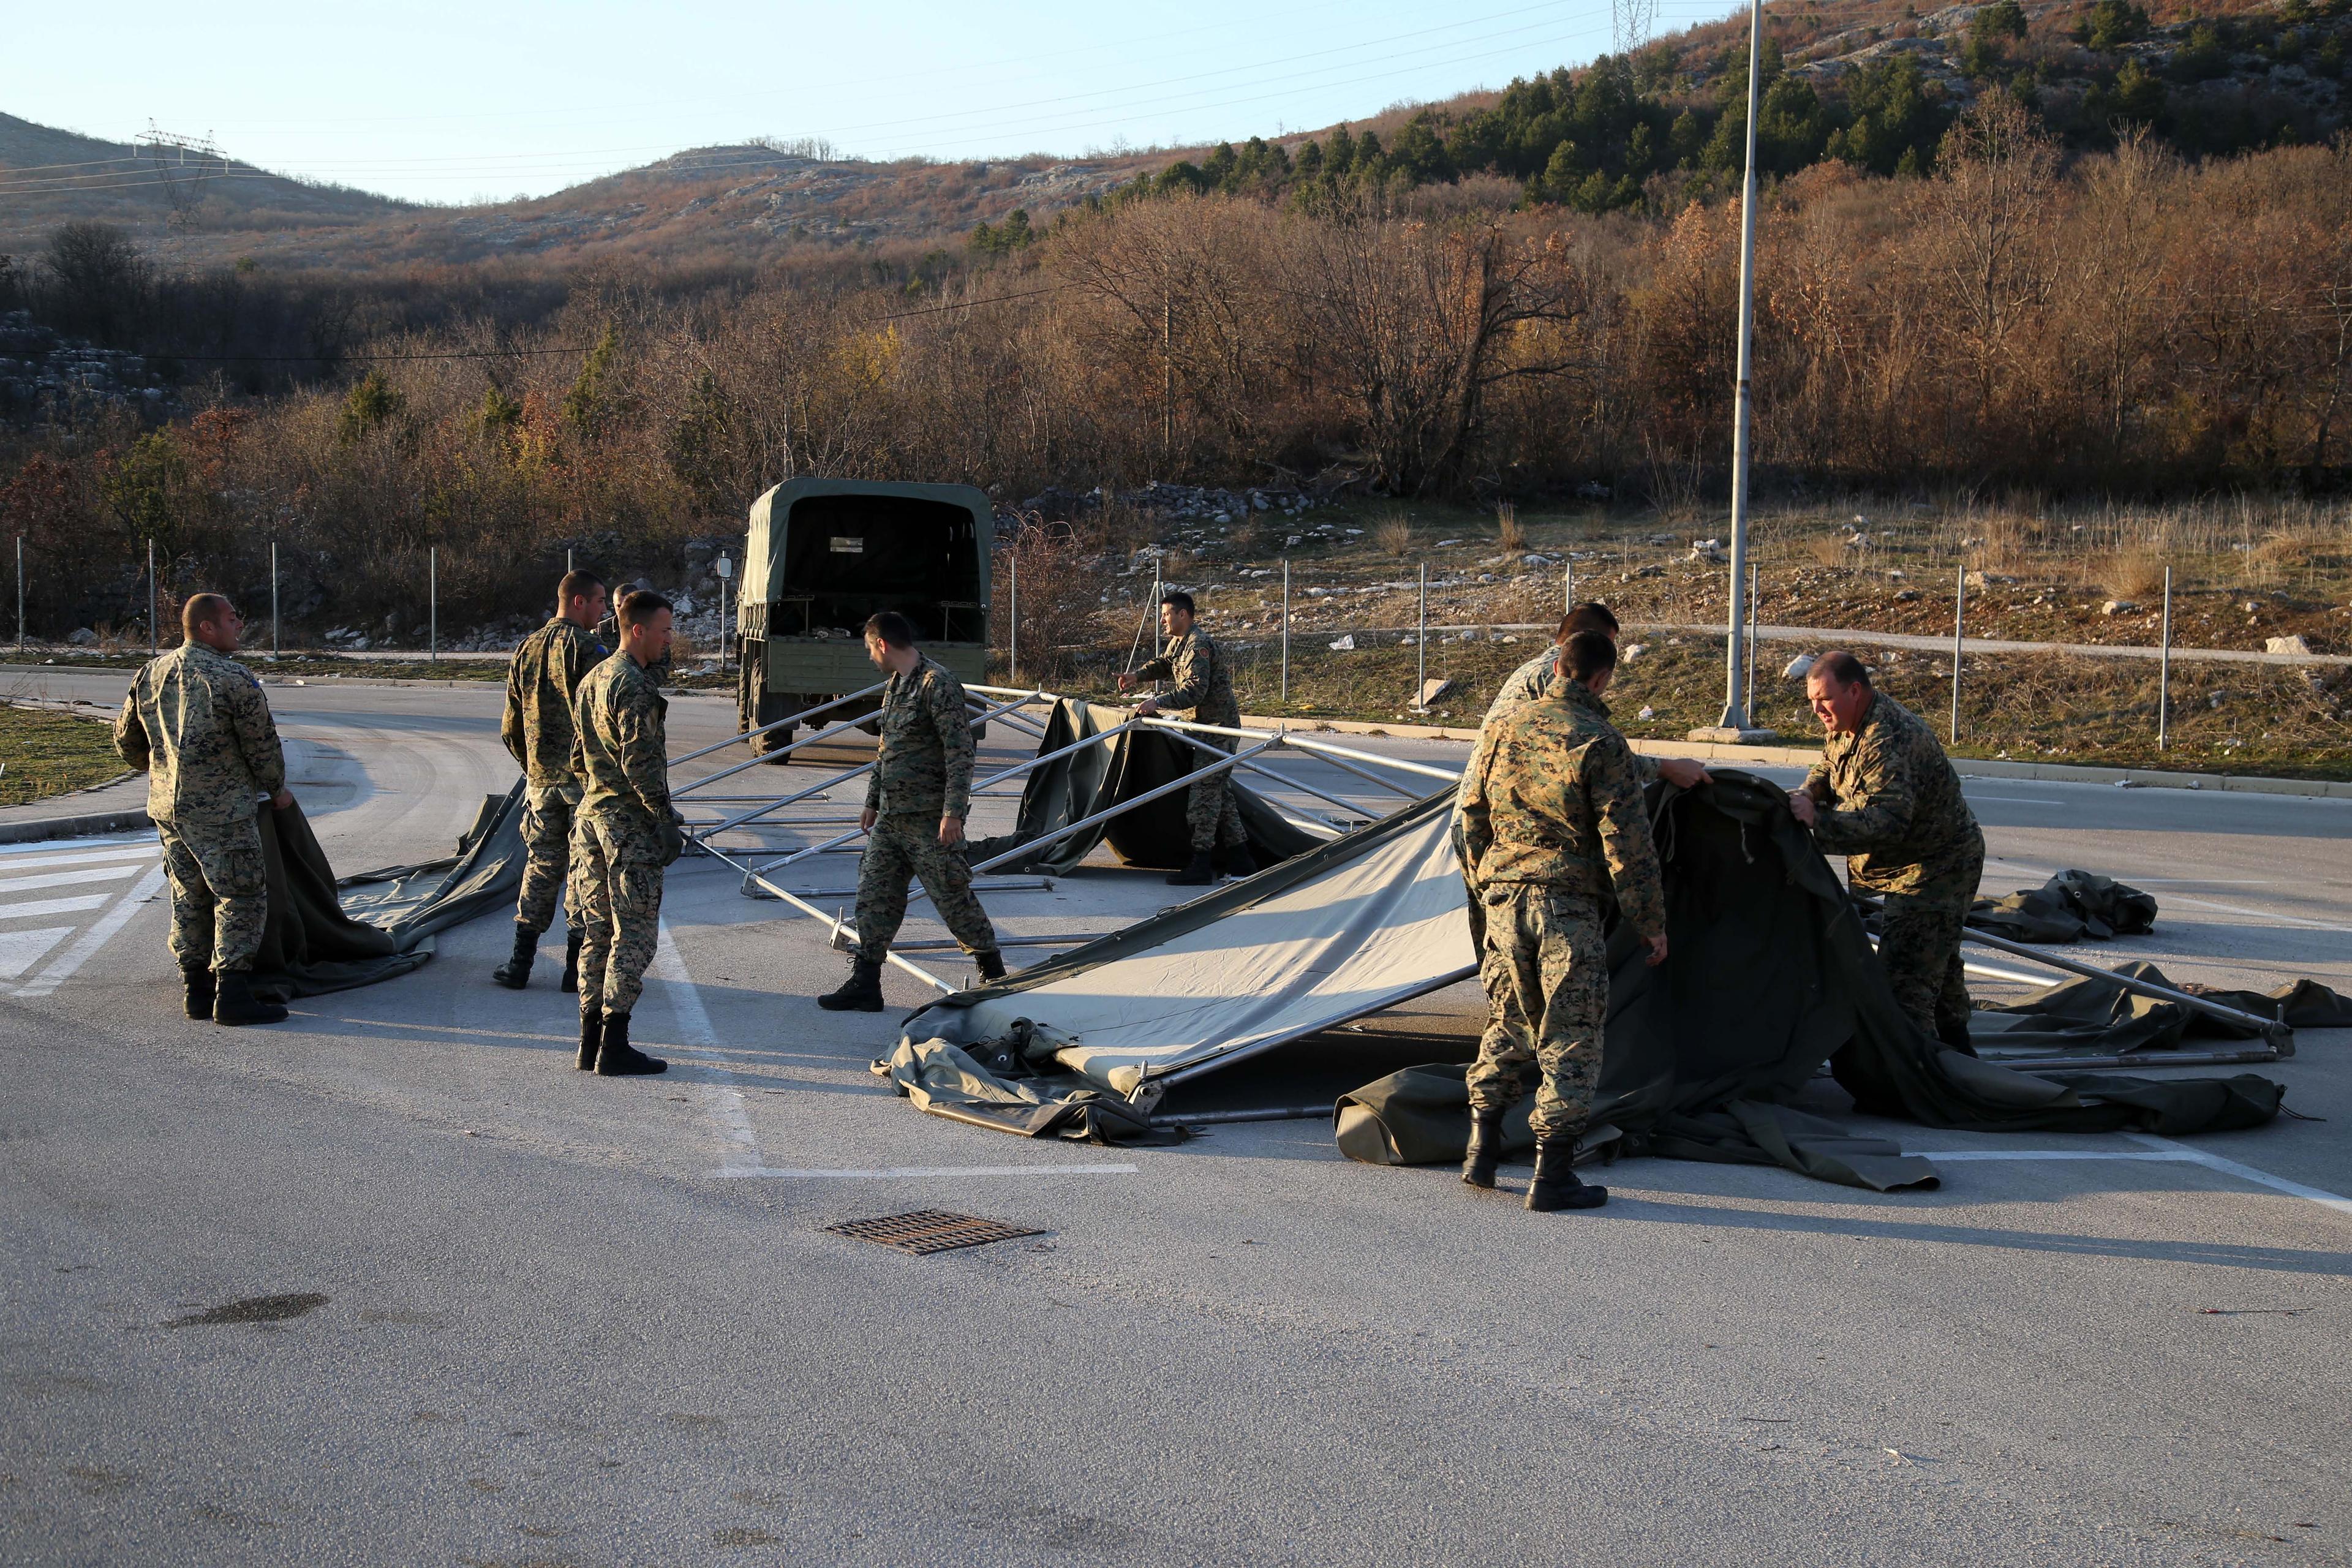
(1870, 83)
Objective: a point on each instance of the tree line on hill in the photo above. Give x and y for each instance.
(2125, 321)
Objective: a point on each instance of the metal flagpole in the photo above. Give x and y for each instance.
(1960, 621)
(1736, 714)
(273, 599)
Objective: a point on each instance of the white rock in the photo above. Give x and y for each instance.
(1633, 653)
(1798, 667)
(2295, 644)
(2119, 607)
(1648, 714)
(1344, 645)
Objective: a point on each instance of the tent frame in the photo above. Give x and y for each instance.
(1008, 703)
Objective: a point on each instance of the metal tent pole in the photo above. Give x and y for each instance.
(1736, 714)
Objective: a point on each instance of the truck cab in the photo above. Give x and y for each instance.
(823, 555)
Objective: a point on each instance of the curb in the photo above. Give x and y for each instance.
(85, 826)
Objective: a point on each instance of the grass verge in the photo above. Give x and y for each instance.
(44, 754)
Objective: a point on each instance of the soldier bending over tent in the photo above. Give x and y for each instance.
(1204, 685)
(1885, 796)
(1552, 819)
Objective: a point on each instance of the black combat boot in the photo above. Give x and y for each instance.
(1485, 1150)
(1555, 1185)
(235, 1003)
(991, 966)
(1239, 862)
(515, 973)
(1198, 872)
(861, 993)
(201, 992)
(1954, 1034)
(571, 937)
(616, 1057)
(592, 1039)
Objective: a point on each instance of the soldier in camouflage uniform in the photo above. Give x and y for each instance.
(1885, 796)
(1552, 820)
(543, 682)
(916, 801)
(197, 724)
(623, 836)
(1536, 678)
(1205, 686)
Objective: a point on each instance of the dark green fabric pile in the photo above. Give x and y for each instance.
(1098, 777)
(1771, 975)
(2100, 1016)
(2069, 907)
(324, 935)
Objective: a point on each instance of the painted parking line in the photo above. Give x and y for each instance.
(2241, 910)
(2153, 1150)
(902, 1172)
(31, 907)
(66, 964)
(67, 878)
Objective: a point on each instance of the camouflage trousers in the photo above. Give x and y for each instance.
(904, 844)
(1546, 971)
(547, 847)
(616, 893)
(1209, 808)
(1920, 948)
(220, 900)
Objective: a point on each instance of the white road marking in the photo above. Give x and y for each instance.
(19, 949)
(898, 1172)
(2153, 1150)
(2224, 909)
(2018, 799)
(96, 937)
(67, 878)
(725, 1101)
(51, 907)
(2319, 1195)
(136, 852)
(92, 846)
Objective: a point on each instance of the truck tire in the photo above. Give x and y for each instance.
(755, 705)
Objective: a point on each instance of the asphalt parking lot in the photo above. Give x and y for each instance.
(392, 1283)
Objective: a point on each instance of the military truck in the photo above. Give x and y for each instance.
(823, 555)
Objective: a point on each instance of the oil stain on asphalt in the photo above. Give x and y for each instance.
(253, 1309)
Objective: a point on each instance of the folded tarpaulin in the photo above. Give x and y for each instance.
(2069, 907)
(1094, 778)
(322, 935)
(2087, 1014)
(1771, 976)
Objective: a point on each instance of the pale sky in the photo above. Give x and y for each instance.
(450, 103)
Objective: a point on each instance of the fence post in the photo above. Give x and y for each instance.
(1420, 646)
(1567, 584)
(274, 641)
(1156, 592)
(1012, 623)
(1285, 631)
(2164, 667)
(433, 604)
(1751, 639)
(1960, 616)
(20, 592)
(153, 645)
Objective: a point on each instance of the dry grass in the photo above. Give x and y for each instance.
(1394, 533)
(43, 753)
(1509, 530)
(2137, 573)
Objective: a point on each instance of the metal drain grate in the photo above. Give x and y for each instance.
(931, 1230)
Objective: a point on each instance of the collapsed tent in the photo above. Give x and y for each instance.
(2085, 1014)
(1771, 976)
(322, 935)
(2069, 907)
(1094, 779)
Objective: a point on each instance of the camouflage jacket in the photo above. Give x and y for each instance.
(1550, 796)
(620, 750)
(926, 750)
(198, 724)
(1202, 683)
(1536, 678)
(543, 682)
(1891, 802)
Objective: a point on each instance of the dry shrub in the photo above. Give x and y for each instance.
(1394, 533)
(2135, 573)
(1828, 550)
(1061, 571)
(1509, 529)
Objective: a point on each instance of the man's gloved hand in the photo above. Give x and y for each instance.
(673, 838)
